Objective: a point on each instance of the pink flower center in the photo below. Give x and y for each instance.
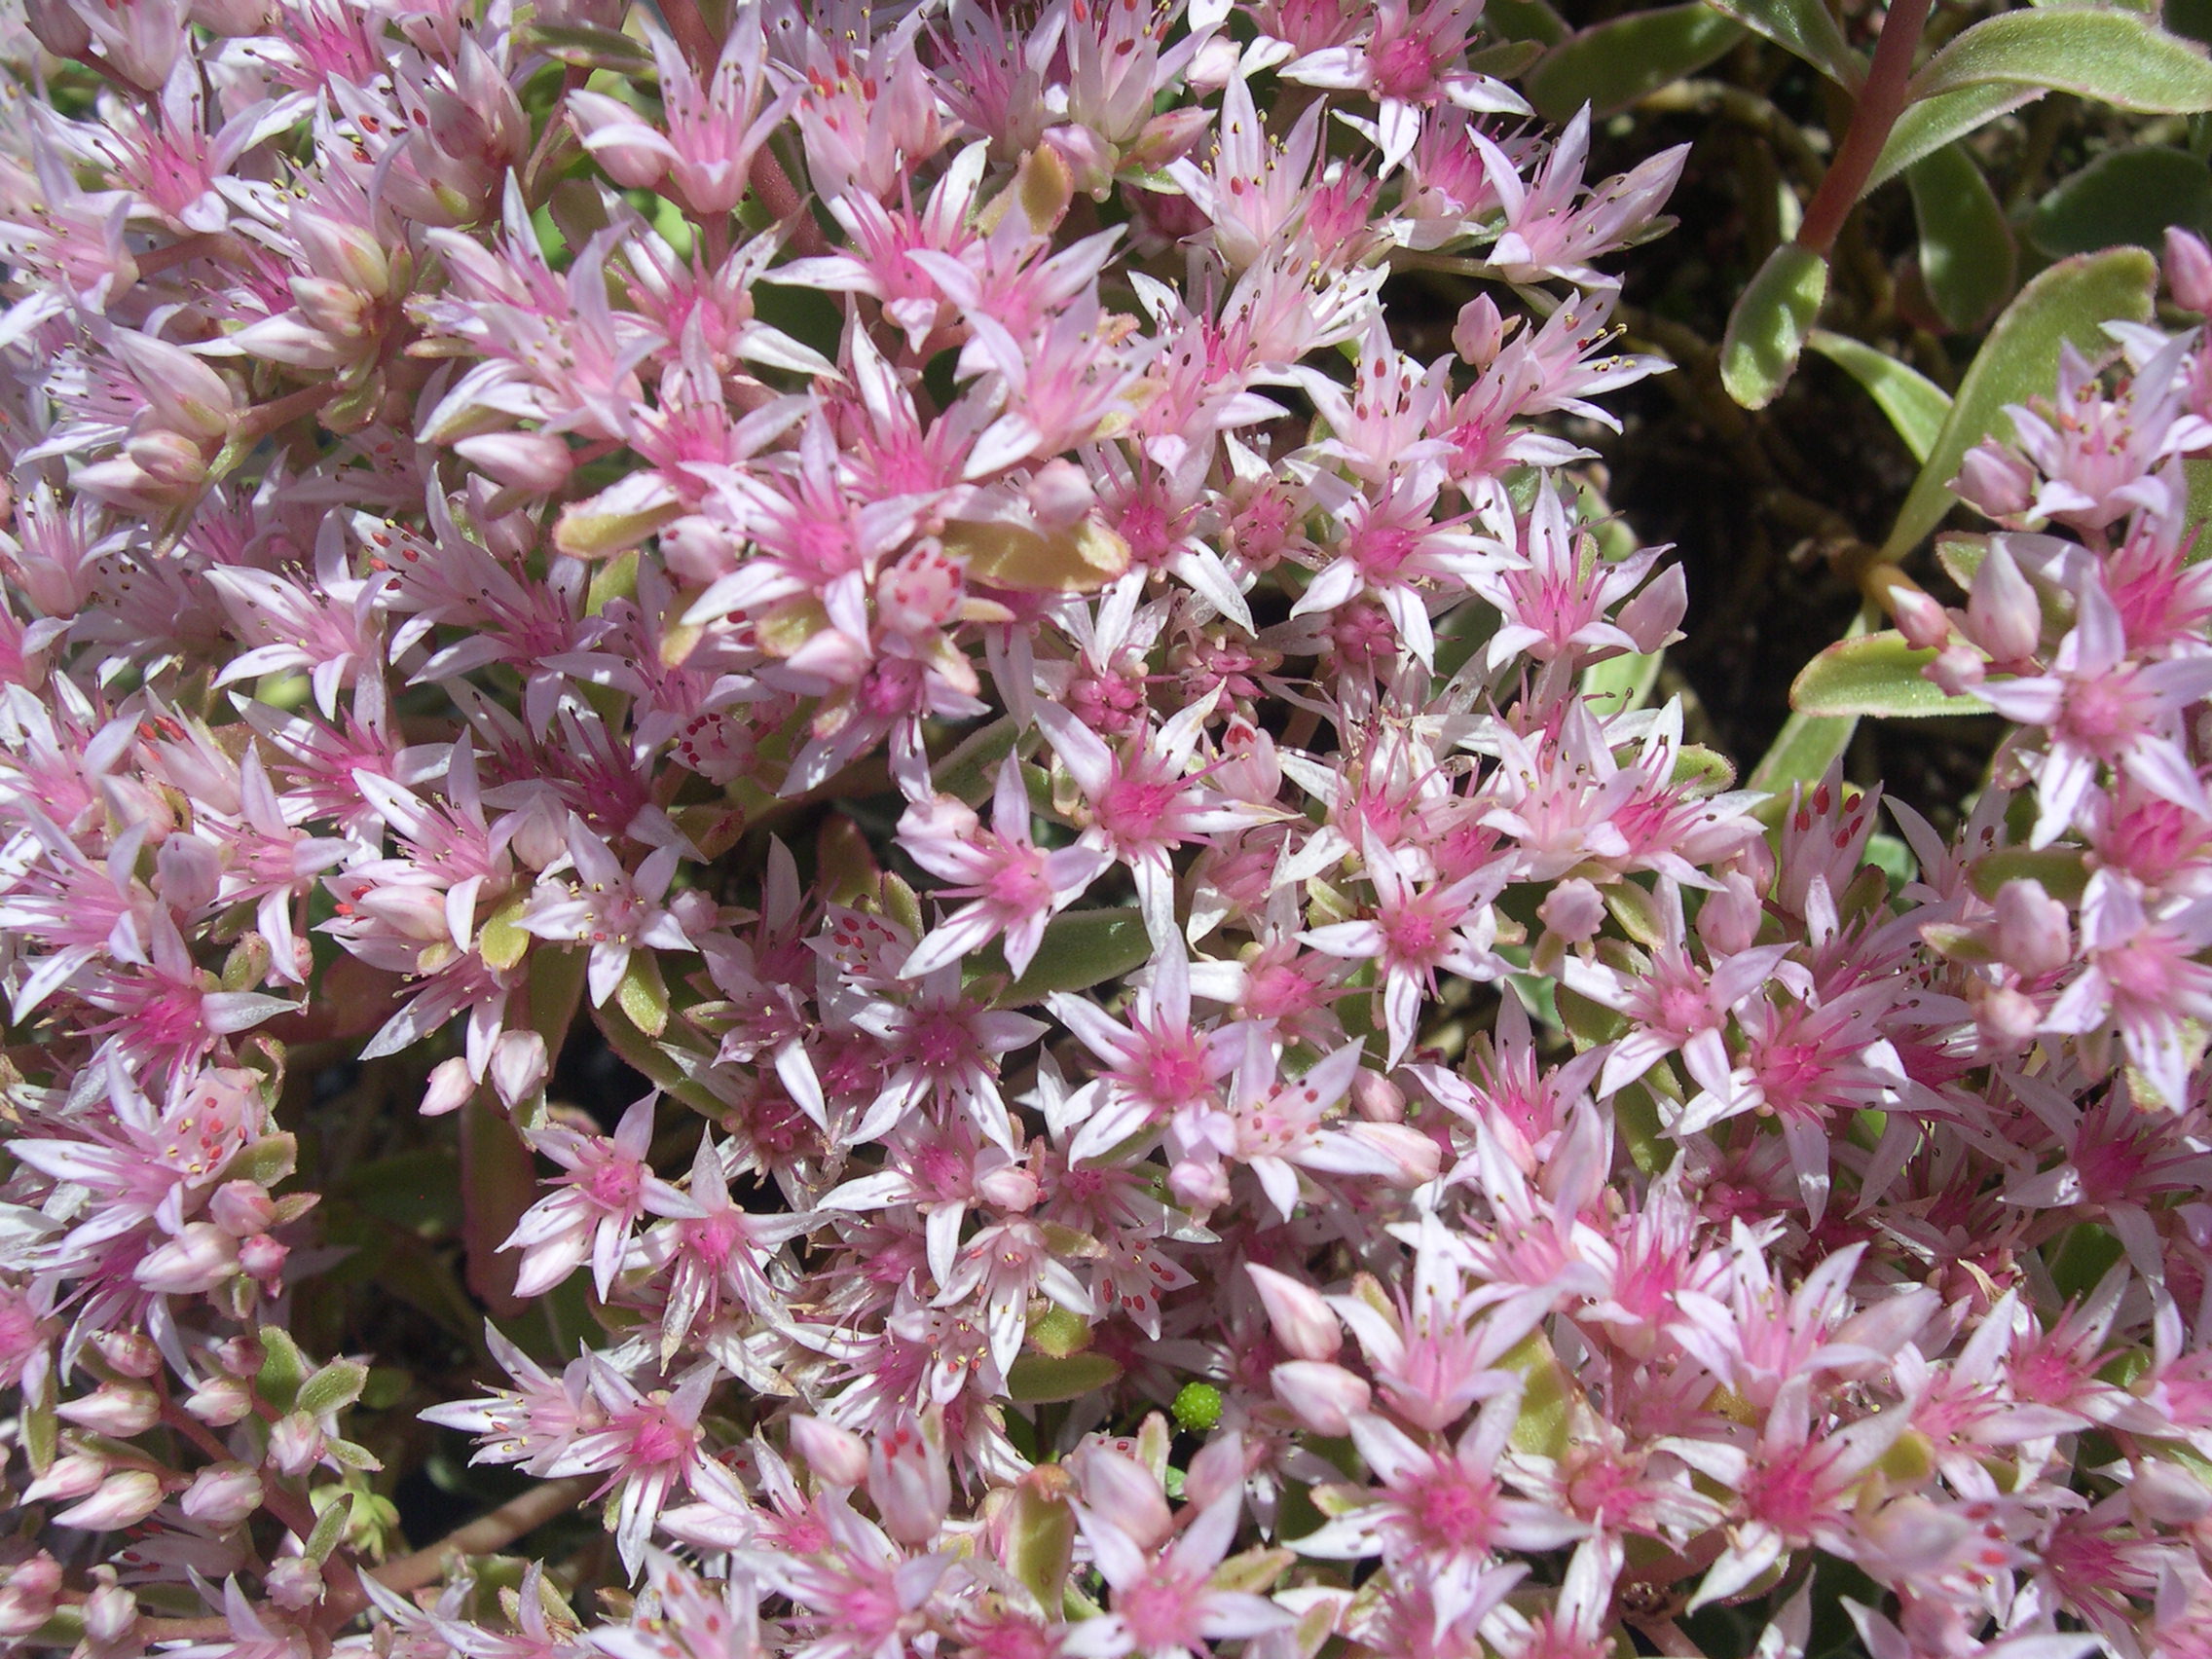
(614, 1185)
(1404, 69)
(1452, 1512)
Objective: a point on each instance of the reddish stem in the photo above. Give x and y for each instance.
(1881, 100)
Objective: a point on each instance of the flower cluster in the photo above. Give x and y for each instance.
(1215, 1072)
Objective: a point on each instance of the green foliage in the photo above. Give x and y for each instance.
(2123, 196)
(1916, 405)
(1768, 326)
(1878, 674)
(2112, 56)
(1967, 256)
(1613, 64)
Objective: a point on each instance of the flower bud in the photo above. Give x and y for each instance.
(1480, 333)
(518, 1067)
(1198, 1185)
(342, 252)
(2004, 617)
(73, 1474)
(1324, 1397)
(56, 25)
(619, 139)
(1920, 618)
(294, 1582)
(1215, 64)
(32, 1591)
(837, 1455)
(130, 1353)
(2032, 937)
(116, 1409)
(907, 1478)
(1302, 1322)
(1995, 481)
(335, 310)
(184, 394)
(295, 1444)
(2005, 1019)
(1728, 921)
(1417, 1157)
(448, 1088)
(1376, 1098)
(190, 871)
(537, 462)
(1060, 494)
(221, 1401)
(241, 1209)
(2187, 269)
(124, 1499)
(261, 1258)
(1089, 158)
(223, 1495)
(171, 465)
(1574, 911)
(1010, 1188)
(110, 1613)
(201, 1257)
(1958, 670)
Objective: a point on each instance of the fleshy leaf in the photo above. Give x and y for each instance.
(2123, 196)
(1967, 256)
(2072, 301)
(1931, 123)
(1769, 324)
(1081, 948)
(2112, 57)
(1806, 29)
(1915, 404)
(1876, 675)
(1616, 62)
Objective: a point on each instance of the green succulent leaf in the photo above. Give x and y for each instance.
(1967, 256)
(1878, 675)
(2114, 58)
(1930, 122)
(1611, 65)
(1804, 28)
(2123, 196)
(1768, 326)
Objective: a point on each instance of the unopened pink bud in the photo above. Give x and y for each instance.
(1198, 1185)
(1417, 1157)
(294, 1582)
(837, 1455)
(2007, 1019)
(124, 1499)
(534, 462)
(2003, 614)
(1574, 909)
(130, 1353)
(337, 309)
(1920, 618)
(343, 252)
(1215, 64)
(907, 1478)
(1090, 160)
(220, 1402)
(2033, 935)
(1728, 921)
(1302, 1322)
(32, 1592)
(201, 1257)
(241, 1209)
(295, 1444)
(1168, 136)
(56, 25)
(1377, 1098)
(169, 463)
(116, 1409)
(1996, 481)
(1124, 1492)
(70, 1475)
(448, 1090)
(110, 1611)
(518, 1067)
(1060, 494)
(1958, 670)
(183, 394)
(2188, 270)
(261, 1258)
(1655, 616)
(1480, 333)
(1010, 1187)
(223, 1495)
(1324, 1397)
(633, 153)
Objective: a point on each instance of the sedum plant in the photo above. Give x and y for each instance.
(1211, 1074)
